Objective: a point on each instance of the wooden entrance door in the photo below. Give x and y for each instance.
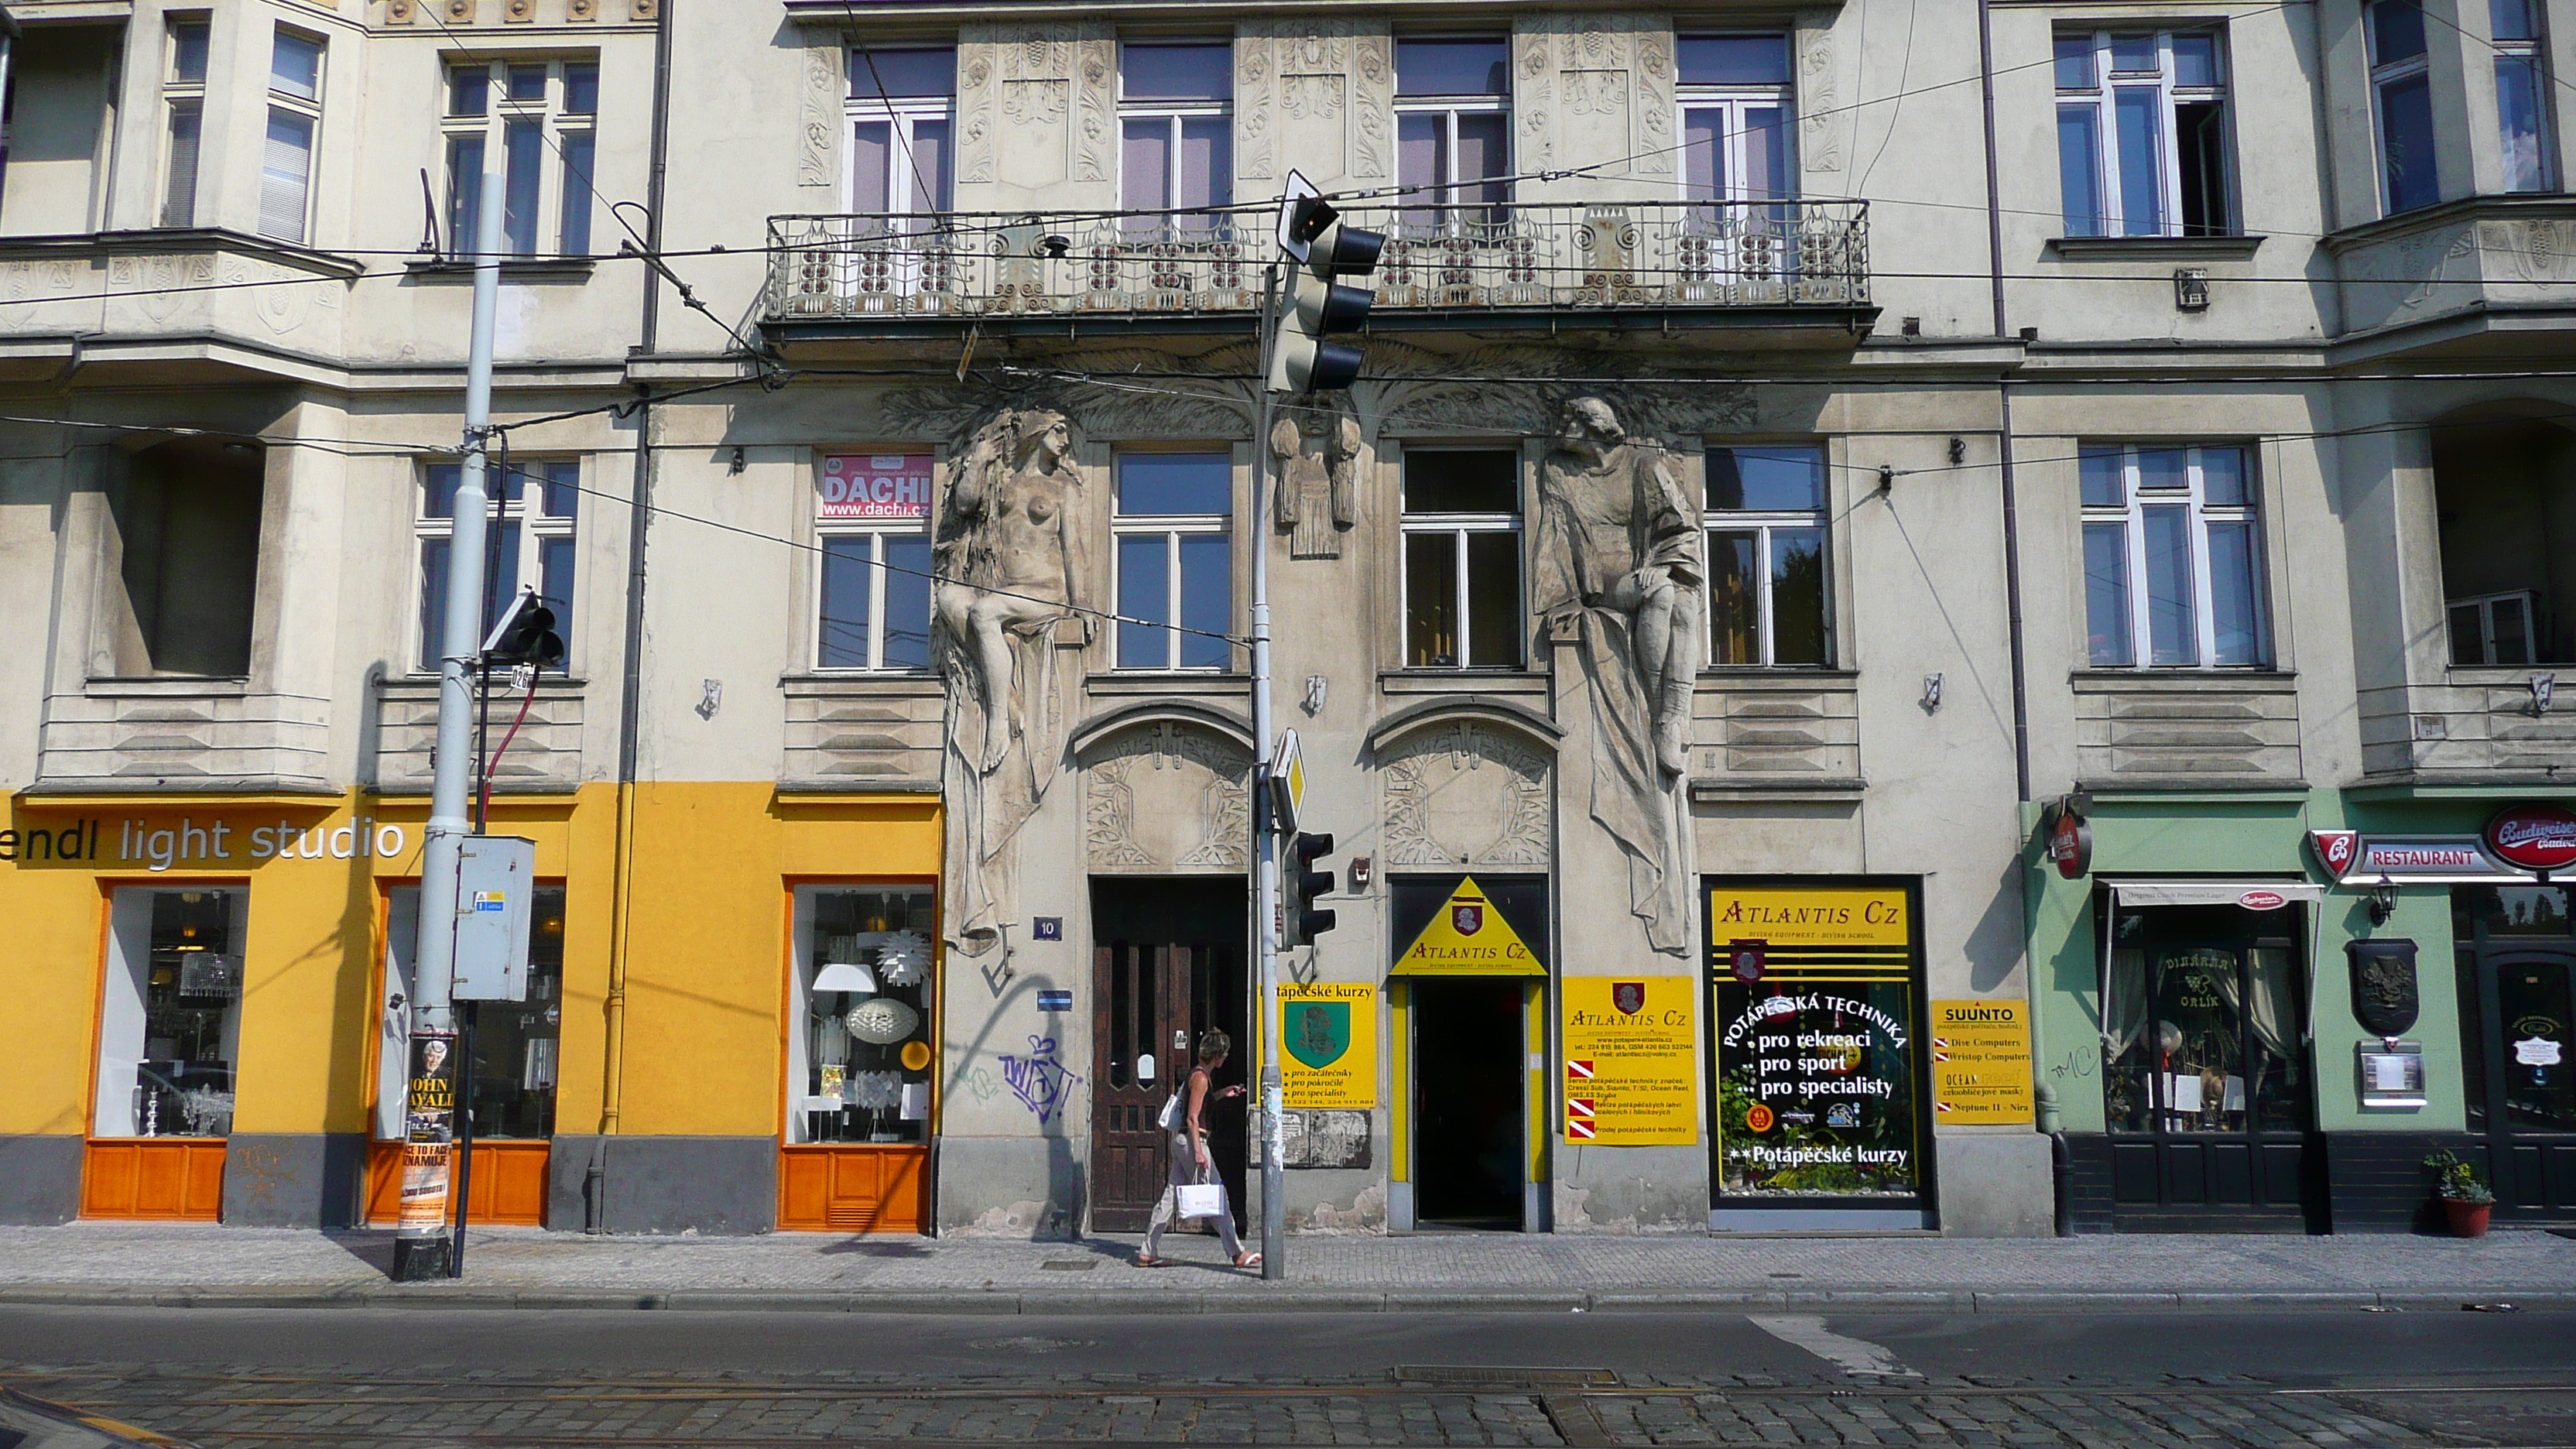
(2522, 1078)
(1140, 1011)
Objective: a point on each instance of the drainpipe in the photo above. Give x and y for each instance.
(639, 519)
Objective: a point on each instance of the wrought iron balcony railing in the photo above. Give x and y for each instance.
(1480, 259)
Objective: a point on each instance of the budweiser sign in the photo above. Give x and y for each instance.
(2533, 837)
(2335, 850)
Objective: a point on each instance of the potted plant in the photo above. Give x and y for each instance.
(2466, 1201)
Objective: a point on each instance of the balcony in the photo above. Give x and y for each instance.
(1799, 267)
(2484, 276)
(166, 298)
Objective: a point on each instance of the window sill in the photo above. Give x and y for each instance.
(1111, 684)
(2498, 674)
(1755, 673)
(530, 269)
(1469, 681)
(921, 680)
(167, 686)
(2154, 248)
(546, 683)
(2199, 678)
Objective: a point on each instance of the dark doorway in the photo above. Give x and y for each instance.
(1168, 966)
(1468, 1113)
(2517, 978)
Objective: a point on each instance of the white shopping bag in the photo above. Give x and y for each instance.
(1201, 1199)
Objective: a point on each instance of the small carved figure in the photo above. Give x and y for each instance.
(1619, 576)
(1317, 500)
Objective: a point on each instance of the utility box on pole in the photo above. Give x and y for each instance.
(496, 876)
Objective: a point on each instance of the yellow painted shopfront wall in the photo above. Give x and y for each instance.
(707, 919)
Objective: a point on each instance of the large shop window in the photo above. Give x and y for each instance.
(872, 520)
(1174, 523)
(859, 1000)
(516, 1043)
(2142, 134)
(544, 116)
(1453, 132)
(2173, 561)
(1768, 599)
(187, 524)
(2401, 87)
(902, 160)
(1175, 136)
(1737, 117)
(2201, 1022)
(169, 1029)
(1462, 558)
(528, 543)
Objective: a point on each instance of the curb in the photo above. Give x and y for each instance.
(1005, 1302)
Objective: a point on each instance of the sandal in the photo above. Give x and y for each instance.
(1145, 1262)
(1247, 1260)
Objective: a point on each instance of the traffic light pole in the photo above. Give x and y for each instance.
(434, 1095)
(1265, 835)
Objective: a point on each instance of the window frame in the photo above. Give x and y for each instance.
(2383, 76)
(2486, 605)
(1460, 527)
(1732, 101)
(1173, 527)
(558, 127)
(537, 526)
(1175, 113)
(1761, 522)
(2531, 52)
(2100, 100)
(901, 115)
(877, 531)
(181, 94)
(2130, 516)
(307, 109)
(1448, 187)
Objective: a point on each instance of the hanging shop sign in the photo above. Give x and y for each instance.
(1815, 1066)
(1981, 1062)
(1468, 936)
(874, 485)
(2335, 850)
(2426, 860)
(2070, 844)
(2538, 838)
(1631, 1061)
(1329, 1055)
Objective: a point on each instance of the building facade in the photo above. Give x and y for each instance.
(1884, 590)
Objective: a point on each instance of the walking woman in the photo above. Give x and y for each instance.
(1191, 1165)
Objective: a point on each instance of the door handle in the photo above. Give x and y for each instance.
(1181, 1042)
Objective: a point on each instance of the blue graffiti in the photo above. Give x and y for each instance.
(1041, 1082)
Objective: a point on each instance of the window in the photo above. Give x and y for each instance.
(872, 512)
(2497, 629)
(184, 96)
(902, 162)
(512, 1092)
(169, 1029)
(187, 522)
(1453, 130)
(543, 115)
(1767, 599)
(2402, 88)
(2142, 134)
(2172, 559)
(294, 113)
(1173, 522)
(860, 996)
(2521, 77)
(1462, 558)
(1737, 117)
(528, 542)
(1175, 139)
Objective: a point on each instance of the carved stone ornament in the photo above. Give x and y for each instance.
(1465, 795)
(820, 125)
(1010, 569)
(1166, 798)
(1317, 493)
(2384, 994)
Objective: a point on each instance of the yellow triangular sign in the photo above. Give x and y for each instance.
(1468, 937)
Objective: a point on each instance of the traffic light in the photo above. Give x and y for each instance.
(1304, 921)
(1319, 302)
(526, 636)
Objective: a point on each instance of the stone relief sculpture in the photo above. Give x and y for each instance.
(1006, 557)
(1619, 573)
(1317, 500)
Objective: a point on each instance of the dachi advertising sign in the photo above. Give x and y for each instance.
(874, 486)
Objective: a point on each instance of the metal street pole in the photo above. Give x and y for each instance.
(1265, 835)
(421, 1246)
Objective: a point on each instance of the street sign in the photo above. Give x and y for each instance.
(1287, 780)
(1299, 189)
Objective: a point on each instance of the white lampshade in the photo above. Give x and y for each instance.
(845, 976)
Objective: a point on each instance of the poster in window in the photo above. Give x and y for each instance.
(1817, 1062)
(874, 486)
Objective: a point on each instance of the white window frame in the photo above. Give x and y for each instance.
(2412, 67)
(2102, 99)
(307, 109)
(1458, 526)
(2130, 514)
(1733, 101)
(900, 114)
(1172, 113)
(2486, 605)
(1449, 109)
(555, 125)
(1173, 527)
(181, 95)
(877, 532)
(2534, 53)
(1760, 522)
(528, 511)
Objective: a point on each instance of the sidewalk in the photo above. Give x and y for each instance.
(192, 1265)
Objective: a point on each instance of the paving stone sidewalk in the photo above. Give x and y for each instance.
(177, 1264)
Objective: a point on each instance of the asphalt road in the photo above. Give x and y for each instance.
(417, 1377)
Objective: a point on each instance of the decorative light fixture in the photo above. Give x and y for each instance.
(1055, 244)
(2542, 687)
(845, 976)
(2383, 900)
(881, 1021)
(1931, 693)
(903, 958)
